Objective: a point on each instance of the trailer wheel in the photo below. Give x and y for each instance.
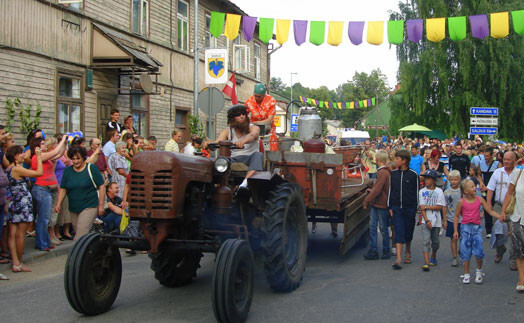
(92, 275)
(174, 269)
(285, 238)
(233, 281)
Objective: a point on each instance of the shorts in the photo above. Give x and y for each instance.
(430, 238)
(404, 223)
(517, 239)
(471, 241)
(450, 229)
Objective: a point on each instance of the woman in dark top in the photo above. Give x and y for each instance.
(434, 163)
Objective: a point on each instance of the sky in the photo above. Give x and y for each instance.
(325, 64)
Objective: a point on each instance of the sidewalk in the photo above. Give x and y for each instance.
(33, 255)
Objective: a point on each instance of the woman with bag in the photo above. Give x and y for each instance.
(84, 186)
(514, 207)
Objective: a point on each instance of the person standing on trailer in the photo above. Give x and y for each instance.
(262, 108)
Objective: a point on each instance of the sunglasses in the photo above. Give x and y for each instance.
(239, 114)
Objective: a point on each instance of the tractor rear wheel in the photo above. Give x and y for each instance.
(175, 269)
(233, 281)
(285, 237)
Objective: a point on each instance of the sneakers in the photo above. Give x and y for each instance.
(466, 278)
(433, 262)
(454, 263)
(479, 276)
(425, 267)
(386, 256)
(488, 236)
(371, 255)
(394, 251)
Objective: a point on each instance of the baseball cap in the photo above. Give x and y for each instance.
(431, 173)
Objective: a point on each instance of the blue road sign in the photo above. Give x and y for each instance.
(484, 111)
(483, 131)
(294, 123)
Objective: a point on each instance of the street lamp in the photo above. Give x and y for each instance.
(292, 86)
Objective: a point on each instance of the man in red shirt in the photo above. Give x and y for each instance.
(101, 163)
(262, 108)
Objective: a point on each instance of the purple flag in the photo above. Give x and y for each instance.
(414, 28)
(300, 28)
(355, 30)
(479, 26)
(316, 103)
(331, 105)
(356, 104)
(248, 27)
(369, 102)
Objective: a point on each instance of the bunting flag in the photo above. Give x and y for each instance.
(317, 30)
(326, 104)
(518, 21)
(232, 26)
(347, 105)
(479, 26)
(457, 28)
(375, 32)
(248, 27)
(308, 101)
(355, 31)
(317, 103)
(217, 23)
(351, 105)
(321, 104)
(300, 29)
(395, 31)
(499, 24)
(365, 103)
(282, 30)
(339, 105)
(360, 103)
(497, 27)
(414, 30)
(335, 33)
(265, 29)
(330, 105)
(435, 29)
(373, 100)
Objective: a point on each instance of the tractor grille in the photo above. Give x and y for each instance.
(162, 190)
(138, 191)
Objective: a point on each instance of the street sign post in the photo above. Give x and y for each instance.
(483, 130)
(479, 121)
(210, 101)
(294, 123)
(484, 111)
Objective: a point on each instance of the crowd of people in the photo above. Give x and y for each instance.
(446, 187)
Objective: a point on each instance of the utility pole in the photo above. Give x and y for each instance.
(196, 60)
(291, 100)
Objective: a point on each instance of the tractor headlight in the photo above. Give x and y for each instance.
(221, 165)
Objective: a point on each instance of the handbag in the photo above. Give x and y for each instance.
(511, 206)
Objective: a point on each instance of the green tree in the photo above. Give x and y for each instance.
(441, 81)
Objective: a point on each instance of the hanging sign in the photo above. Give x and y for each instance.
(216, 66)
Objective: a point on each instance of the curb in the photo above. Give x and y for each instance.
(37, 255)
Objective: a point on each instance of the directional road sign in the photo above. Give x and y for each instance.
(479, 121)
(294, 123)
(484, 111)
(483, 130)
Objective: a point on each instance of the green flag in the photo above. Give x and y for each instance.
(308, 101)
(321, 104)
(265, 29)
(395, 31)
(317, 31)
(518, 21)
(347, 105)
(217, 23)
(457, 28)
(372, 101)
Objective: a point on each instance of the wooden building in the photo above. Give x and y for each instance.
(80, 59)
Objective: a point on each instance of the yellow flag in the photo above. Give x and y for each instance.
(365, 103)
(282, 30)
(326, 104)
(375, 32)
(351, 105)
(435, 29)
(339, 105)
(335, 33)
(232, 26)
(499, 24)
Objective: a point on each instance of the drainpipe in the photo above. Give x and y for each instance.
(195, 34)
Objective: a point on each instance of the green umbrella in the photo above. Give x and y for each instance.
(414, 127)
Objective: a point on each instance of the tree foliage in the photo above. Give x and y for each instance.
(441, 81)
(361, 86)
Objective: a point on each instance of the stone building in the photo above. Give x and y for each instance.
(80, 59)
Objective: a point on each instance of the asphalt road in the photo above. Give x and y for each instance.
(335, 289)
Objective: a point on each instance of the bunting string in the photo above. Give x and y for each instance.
(497, 26)
(338, 105)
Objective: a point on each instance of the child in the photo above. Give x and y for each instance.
(431, 201)
(471, 230)
(452, 196)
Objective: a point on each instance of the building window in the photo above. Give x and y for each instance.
(72, 4)
(182, 20)
(140, 112)
(240, 56)
(257, 62)
(140, 16)
(69, 103)
(211, 42)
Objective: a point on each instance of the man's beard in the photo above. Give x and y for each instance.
(242, 126)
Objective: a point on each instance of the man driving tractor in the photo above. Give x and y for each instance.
(262, 108)
(244, 135)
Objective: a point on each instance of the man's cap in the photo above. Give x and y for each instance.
(431, 173)
(260, 89)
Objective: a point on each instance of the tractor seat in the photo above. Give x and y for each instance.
(239, 167)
